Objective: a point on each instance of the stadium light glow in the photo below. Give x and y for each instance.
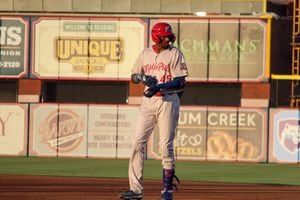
(200, 13)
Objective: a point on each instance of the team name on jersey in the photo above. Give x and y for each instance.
(156, 67)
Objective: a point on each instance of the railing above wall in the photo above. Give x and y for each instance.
(135, 6)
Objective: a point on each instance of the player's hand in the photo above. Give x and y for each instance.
(149, 80)
(151, 91)
(146, 79)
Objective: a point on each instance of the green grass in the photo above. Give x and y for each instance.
(262, 173)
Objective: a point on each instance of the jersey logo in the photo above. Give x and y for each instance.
(159, 66)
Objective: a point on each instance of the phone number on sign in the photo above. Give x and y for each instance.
(10, 64)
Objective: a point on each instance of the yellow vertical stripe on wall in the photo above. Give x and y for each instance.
(268, 49)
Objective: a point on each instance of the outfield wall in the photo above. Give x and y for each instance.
(103, 48)
(105, 131)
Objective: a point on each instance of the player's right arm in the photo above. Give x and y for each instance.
(138, 75)
(137, 69)
(145, 79)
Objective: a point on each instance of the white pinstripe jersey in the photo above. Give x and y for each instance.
(165, 66)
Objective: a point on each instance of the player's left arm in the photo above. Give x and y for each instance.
(177, 83)
(178, 71)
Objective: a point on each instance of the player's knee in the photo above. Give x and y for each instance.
(140, 147)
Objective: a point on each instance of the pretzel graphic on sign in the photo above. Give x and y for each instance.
(223, 145)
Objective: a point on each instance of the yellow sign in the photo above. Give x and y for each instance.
(89, 55)
(84, 48)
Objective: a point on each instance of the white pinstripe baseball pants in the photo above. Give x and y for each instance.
(165, 112)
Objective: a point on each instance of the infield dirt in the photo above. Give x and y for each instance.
(70, 188)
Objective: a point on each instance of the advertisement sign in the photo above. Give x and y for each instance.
(253, 50)
(13, 139)
(236, 134)
(222, 49)
(58, 130)
(100, 131)
(284, 136)
(190, 141)
(88, 48)
(126, 126)
(13, 47)
(110, 131)
(217, 134)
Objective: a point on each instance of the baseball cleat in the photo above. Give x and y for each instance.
(168, 185)
(131, 195)
(167, 195)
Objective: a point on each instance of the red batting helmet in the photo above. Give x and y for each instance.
(162, 29)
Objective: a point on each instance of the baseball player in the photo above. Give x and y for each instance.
(162, 69)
